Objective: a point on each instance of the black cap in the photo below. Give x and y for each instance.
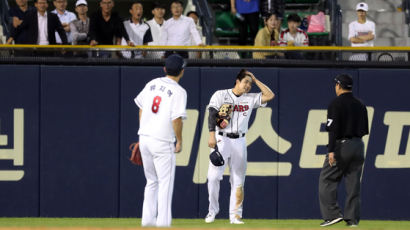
(216, 157)
(345, 80)
(174, 65)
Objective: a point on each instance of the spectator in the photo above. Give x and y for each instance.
(293, 36)
(362, 32)
(156, 28)
(40, 25)
(65, 17)
(195, 17)
(273, 7)
(107, 26)
(138, 31)
(17, 14)
(268, 36)
(178, 30)
(80, 27)
(247, 11)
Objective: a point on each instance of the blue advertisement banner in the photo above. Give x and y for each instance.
(78, 122)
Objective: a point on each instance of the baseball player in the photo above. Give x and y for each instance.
(231, 140)
(162, 107)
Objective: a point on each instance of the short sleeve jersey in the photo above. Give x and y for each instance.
(301, 38)
(241, 108)
(162, 100)
(357, 29)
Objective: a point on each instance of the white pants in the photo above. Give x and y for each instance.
(235, 155)
(159, 168)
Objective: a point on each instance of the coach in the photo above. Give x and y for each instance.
(346, 123)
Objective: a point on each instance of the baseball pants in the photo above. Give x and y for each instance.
(235, 155)
(349, 164)
(159, 168)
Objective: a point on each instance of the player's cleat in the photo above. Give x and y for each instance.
(210, 218)
(350, 223)
(236, 221)
(330, 222)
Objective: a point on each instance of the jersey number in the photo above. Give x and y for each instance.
(155, 104)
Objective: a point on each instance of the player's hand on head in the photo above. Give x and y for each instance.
(252, 76)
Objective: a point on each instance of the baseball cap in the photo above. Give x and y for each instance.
(345, 80)
(216, 157)
(174, 64)
(81, 2)
(362, 6)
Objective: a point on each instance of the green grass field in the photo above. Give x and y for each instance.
(189, 223)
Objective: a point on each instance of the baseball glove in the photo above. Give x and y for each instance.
(224, 116)
(216, 157)
(135, 153)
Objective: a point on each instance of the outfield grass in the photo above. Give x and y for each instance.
(191, 223)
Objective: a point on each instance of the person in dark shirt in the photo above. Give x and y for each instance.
(106, 25)
(17, 14)
(347, 123)
(40, 26)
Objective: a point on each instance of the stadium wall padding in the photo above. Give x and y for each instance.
(65, 132)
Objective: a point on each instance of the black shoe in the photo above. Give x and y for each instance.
(330, 222)
(350, 223)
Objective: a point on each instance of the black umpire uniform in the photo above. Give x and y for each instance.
(347, 123)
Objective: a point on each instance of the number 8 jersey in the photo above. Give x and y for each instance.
(162, 100)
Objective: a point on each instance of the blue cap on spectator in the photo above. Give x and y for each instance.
(174, 64)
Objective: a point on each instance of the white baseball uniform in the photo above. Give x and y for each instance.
(162, 100)
(232, 145)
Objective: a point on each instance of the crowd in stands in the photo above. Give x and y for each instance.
(37, 25)
(104, 27)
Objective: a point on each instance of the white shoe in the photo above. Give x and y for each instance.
(210, 218)
(236, 221)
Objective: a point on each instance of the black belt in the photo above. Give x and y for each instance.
(232, 135)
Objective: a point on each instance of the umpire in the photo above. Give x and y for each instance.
(346, 123)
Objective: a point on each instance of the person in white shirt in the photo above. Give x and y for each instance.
(65, 17)
(362, 32)
(80, 27)
(177, 31)
(156, 29)
(138, 31)
(162, 107)
(293, 36)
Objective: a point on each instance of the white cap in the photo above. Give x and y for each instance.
(81, 2)
(362, 6)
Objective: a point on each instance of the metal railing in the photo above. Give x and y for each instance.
(324, 56)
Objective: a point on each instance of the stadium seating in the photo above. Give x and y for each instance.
(391, 28)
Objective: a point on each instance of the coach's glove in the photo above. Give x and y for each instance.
(224, 116)
(216, 157)
(135, 153)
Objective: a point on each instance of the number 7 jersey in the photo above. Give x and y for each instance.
(162, 100)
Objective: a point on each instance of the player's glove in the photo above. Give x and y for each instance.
(135, 153)
(216, 157)
(224, 116)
